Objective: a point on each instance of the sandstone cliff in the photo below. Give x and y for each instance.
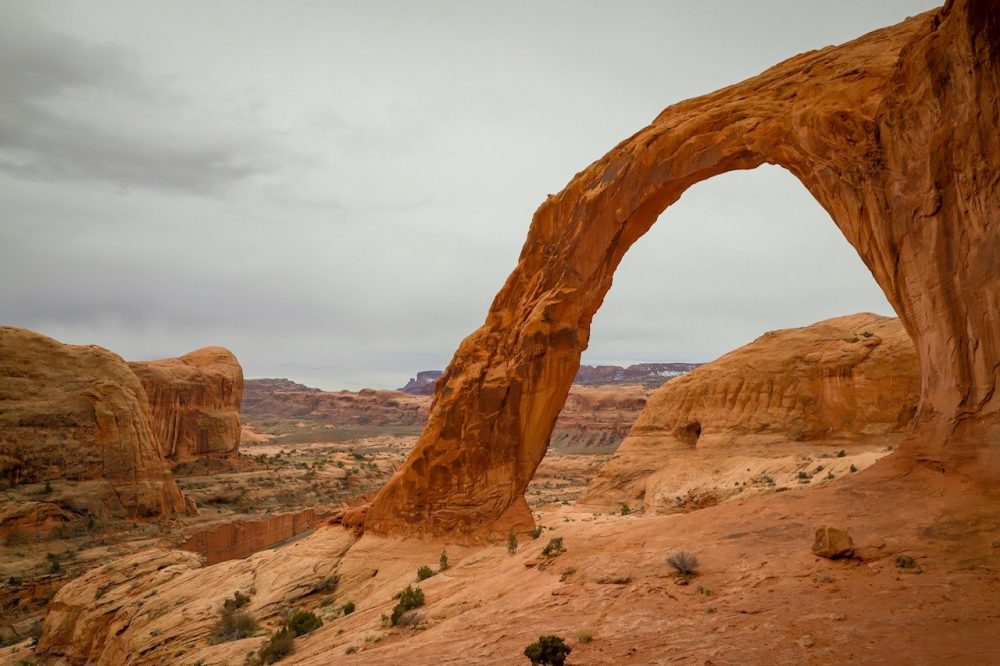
(367, 407)
(78, 413)
(847, 384)
(195, 402)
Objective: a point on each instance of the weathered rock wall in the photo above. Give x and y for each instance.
(78, 413)
(239, 538)
(195, 402)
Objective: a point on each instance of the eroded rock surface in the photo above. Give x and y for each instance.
(78, 413)
(195, 402)
(848, 385)
(893, 133)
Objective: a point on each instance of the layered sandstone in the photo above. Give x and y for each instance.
(239, 538)
(195, 402)
(843, 388)
(893, 133)
(78, 413)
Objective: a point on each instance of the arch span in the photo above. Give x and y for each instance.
(894, 134)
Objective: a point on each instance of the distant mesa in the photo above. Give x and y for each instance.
(423, 383)
(645, 374)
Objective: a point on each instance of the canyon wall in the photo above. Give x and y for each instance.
(78, 413)
(842, 388)
(894, 134)
(195, 402)
(239, 538)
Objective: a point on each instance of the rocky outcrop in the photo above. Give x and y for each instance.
(160, 606)
(846, 384)
(78, 413)
(195, 402)
(893, 133)
(239, 538)
(423, 383)
(598, 417)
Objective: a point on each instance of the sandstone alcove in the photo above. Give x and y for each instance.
(894, 134)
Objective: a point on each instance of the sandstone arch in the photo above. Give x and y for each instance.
(895, 134)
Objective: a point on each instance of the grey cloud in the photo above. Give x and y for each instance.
(46, 73)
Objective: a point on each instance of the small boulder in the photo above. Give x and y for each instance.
(833, 543)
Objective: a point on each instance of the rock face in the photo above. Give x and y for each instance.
(598, 417)
(838, 383)
(239, 538)
(195, 402)
(256, 391)
(893, 133)
(79, 413)
(423, 383)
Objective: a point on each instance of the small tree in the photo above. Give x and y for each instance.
(554, 547)
(302, 622)
(410, 598)
(280, 645)
(511, 542)
(548, 651)
(424, 572)
(443, 562)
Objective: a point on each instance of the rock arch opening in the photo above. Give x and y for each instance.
(905, 165)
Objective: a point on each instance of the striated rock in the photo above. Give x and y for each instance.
(78, 413)
(195, 402)
(840, 383)
(833, 543)
(159, 606)
(598, 417)
(893, 133)
(235, 539)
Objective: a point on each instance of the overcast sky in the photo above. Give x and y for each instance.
(336, 191)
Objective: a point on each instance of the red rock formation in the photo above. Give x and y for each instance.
(78, 413)
(195, 402)
(239, 538)
(850, 382)
(893, 133)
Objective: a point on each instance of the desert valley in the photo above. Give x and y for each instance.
(827, 493)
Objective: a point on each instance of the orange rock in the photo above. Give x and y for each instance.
(833, 543)
(195, 402)
(78, 413)
(895, 135)
(838, 383)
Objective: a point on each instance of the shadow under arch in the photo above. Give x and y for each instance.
(878, 140)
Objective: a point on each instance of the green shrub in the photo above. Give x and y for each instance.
(553, 547)
(841, 453)
(348, 608)
(905, 562)
(443, 561)
(233, 625)
(535, 533)
(239, 600)
(511, 542)
(280, 644)
(548, 651)
(626, 509)
(854, 468)
(302, 622)
(684, 563)
(424, 572)
(803, 475)
(410, 598)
